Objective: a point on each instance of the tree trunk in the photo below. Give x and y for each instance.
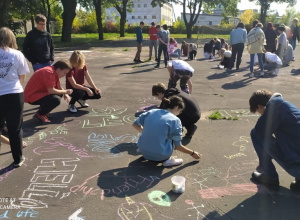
(48, 16)
(68, 17)
(25, 26)
(189, 31)
(4, 6)
(122, 25)
(97, 4)
(32, 22)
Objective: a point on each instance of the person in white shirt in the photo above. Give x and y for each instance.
(273, 63)
(13, 68)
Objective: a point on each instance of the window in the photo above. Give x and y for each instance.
(153, 16)
(139, 17)
(145, 5)
(133, 17)
(139, 5)
(210, 23)
(145, 17)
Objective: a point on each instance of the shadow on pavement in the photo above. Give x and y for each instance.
(238, 84)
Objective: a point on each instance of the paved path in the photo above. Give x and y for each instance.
(85, 165)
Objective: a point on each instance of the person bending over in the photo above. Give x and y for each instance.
(275, 136)
(75, 80)
(44, 89)
(191, 113)
(161, 131)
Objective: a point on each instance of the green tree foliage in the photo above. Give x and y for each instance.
(179, 26)
(265, 6)
(288, 16)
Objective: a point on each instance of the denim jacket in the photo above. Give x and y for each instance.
(282, 120)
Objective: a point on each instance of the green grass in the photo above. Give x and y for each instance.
(125, 49)
(93, 39)
(218, 116)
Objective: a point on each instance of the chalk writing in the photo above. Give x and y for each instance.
(75, 216)
(52, 176)
(56, 142)
(237, 113)
(159, 198)
(242, 144)
(29, 213)
(235, 155)
(190, 202)
(104, 144)
(132, 210)
(4, 215)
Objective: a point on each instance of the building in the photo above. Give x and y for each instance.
(208, 19)
(143, 11)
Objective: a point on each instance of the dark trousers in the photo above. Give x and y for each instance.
(80, 94)
(183, 76)
(162, 48)
(47, 103)
(11, 111)
(237, 51)
(192, 54)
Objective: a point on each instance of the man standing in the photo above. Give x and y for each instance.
(275, 136)
(237, 42)
(139, 39)
(163, 38)
(43, 89)
(153, 40)
(295, 32)
(38, 46)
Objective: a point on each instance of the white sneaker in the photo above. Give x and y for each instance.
(16, 165)
(172, 161)
(275, 73)
(83, 103)
(251, 75)
(72, 108)
(262, 74)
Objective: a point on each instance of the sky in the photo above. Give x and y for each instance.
(245, 4)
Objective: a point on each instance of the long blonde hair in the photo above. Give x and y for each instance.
(7, 38)
(77, 59)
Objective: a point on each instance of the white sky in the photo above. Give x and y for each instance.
(245, 4)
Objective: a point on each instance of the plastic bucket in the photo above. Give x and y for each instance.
(178, 184)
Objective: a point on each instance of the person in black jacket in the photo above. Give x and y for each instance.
(190, 115)
(271, 38)
(38, 46)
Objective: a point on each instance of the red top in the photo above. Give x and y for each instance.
(153, 30)
(38, 84)
(78, 76)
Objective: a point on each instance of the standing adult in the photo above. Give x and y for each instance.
(153, 40)
(139, 40)
(237, 42)
(38, 47)
(44, 89)
(163, 38)
(271, 38)
(255, 44)
(13, 68)
(295, 32)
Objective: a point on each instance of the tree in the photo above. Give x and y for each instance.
(265, 6)
(4, 6)
(98, 5)
(246, 16)
(68, 16)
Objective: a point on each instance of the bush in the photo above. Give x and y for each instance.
(110, 27)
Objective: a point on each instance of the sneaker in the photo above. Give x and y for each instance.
(83, 103)
(42, 118)
(295, 185)
(156, 66)
(261, 178)
(72, 108)
(190, 131)
(16, 165)
(261, 74)
(251, 75)
(172, 161)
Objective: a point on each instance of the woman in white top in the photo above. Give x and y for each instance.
(13, 67)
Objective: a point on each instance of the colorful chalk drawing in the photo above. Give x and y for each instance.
(49, 181)
(238, 113)
(29, 213)
(75, 216)
(108, 117)
(5, 172)
(138, 210)
(202, 176)
(54, 143)
(199, 214)
(128, 183)
(105, 144)
(159, 198)
(242, 144)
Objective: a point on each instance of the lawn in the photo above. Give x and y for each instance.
(92, 39)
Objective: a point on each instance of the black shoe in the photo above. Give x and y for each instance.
(16, 165)
(190, 131)
(295, 185)
(261, 178)
(139, 61)
(157, 66)
(135, 60)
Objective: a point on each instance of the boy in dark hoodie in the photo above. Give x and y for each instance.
(38, 47)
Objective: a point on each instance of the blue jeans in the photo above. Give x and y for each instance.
(293, 43)
(261, 63)
(37, 66)
(176, 53)
(268, 150)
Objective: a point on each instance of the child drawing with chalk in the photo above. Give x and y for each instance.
(75, 80)
(161, 129)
